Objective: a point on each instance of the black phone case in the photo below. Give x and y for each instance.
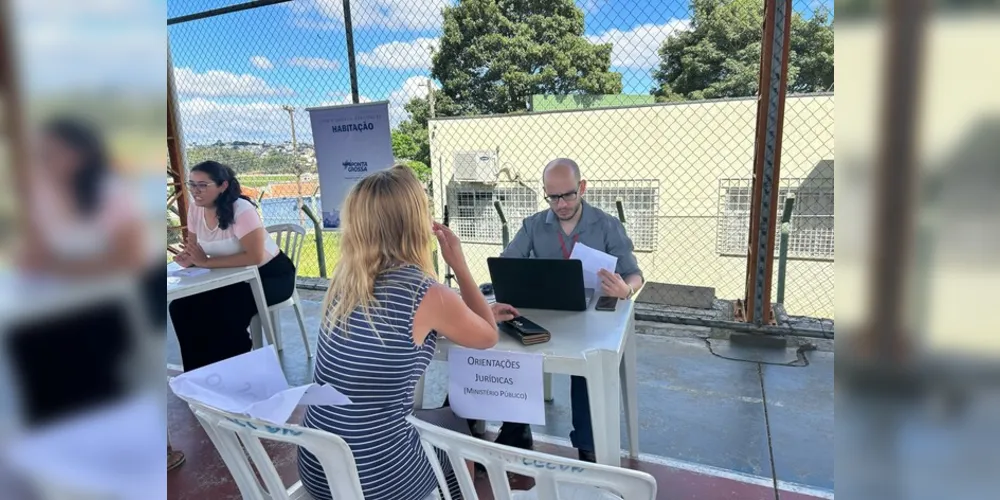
(602, 307)
(528, 333)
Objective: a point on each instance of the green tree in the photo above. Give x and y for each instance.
(495, 54)
(403, 145)
(409, 140)
(405, 149)
(720, 55)
(272, 162)
(422, 170)
(241, 161)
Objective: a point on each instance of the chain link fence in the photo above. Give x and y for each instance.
(656, 102)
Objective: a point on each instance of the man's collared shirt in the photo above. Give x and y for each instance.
(539, 238)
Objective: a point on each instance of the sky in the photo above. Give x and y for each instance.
(78, 46)
(234, 72)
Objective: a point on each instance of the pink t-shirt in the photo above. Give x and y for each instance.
(222, 242)
(70, 236)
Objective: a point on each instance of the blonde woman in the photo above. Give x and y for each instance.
(384, 312)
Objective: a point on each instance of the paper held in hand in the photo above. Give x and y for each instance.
(496, 385)
(252, 384)
(593, 261)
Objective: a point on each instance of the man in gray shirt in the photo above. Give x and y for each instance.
(551, 234)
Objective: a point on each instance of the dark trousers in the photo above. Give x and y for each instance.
(212, 326)
(582, 435)
(154, 295)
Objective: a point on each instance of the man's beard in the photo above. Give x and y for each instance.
(571, 215)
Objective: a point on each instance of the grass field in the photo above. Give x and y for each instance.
(309, 261)
(258, 181)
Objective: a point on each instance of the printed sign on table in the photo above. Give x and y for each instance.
(351, 142)
(496, 385)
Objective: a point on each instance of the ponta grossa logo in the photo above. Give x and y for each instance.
(355, 166)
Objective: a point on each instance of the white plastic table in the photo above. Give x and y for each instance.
(218, 278)
(26, 299)
(599, 346)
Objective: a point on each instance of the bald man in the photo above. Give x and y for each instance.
(551, 234)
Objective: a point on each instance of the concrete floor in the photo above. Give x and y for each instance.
(754, 422)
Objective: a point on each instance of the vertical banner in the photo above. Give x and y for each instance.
(351, 142)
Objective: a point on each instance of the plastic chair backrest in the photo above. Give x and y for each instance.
(289, 238)
(232, 434)
(547, 470)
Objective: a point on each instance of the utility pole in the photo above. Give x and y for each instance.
(430, 85)
(430, 96)
(295, 162)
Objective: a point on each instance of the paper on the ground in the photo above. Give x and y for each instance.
(593, 261)
(254, 385)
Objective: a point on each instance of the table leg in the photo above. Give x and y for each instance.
(605, 407)
(257, 287)
(547, 386)
(630, 393)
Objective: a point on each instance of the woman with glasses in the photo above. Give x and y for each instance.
(225, 230)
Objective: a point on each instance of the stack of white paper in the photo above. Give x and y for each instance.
(252, 384)
(175, 269)
(593, 261)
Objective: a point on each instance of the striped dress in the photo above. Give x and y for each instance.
(378, 369)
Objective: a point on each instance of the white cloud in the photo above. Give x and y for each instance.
(261, 62)
(591, 6)
(344, 98)
(414, 54)
(389, 14)
(217, 83)
(412, 87)
(314, 63)
(64, 44)
(637, 47)
(206, 120)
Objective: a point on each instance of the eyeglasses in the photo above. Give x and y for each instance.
(197, 186)
(568, 197)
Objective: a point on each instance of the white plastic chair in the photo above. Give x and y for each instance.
(556, 478)
(236, 437)
(289, 238)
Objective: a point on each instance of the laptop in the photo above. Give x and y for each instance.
(555, 284)
(58, 331)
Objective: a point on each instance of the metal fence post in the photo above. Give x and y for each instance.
(786, 223)
(504, 231)
(318, 231)
(687, 202)
(352, 66)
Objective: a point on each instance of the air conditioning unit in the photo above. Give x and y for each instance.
(476, 166)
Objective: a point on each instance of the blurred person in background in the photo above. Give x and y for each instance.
(84, 218)
(383, 313)
(84, 223)
(225, 230)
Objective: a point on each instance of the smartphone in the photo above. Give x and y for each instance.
(606, 303)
